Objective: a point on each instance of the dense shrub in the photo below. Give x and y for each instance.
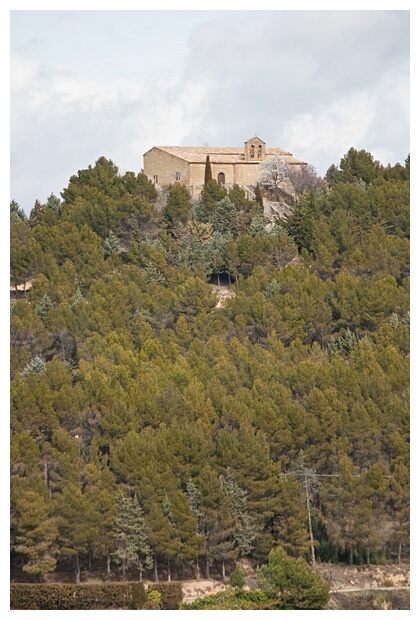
(128, 595)
(171, 594)
(234, 599)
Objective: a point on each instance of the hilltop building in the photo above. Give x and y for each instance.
(166, 165)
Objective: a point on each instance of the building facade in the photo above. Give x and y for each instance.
(166, 165)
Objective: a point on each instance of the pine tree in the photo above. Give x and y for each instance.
(16, 212)
(225, 218)
(36, 533)
(296, 584)
(207, 172)
(36, 366)
(244, 533)
(258, 226)
(132, 541)
(178, 205)
(111, 245)
(44, 307)
(259, 197)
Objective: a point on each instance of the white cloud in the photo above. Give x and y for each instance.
(313, 82)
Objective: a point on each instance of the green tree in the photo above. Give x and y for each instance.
(78, 524)
(236, 578)
(133, 545)
(36, 533)
(259, 197)
(293, 582)
(244, 533)
(16, 212)
(207, 171)
(178, 205)
(211, 194)
(289, 519)
(111, 245)
(299, 222)
(225, 218)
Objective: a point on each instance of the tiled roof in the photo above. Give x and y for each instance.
(222, 154)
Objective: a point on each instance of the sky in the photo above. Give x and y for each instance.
(90, 83)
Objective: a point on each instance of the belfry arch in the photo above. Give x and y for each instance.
(254, 149)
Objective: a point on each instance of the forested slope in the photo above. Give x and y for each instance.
(152, 429)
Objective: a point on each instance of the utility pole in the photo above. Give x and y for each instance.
(310, 483)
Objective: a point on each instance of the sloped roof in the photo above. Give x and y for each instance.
(221, 154)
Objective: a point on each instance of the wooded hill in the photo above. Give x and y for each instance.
(152, 430)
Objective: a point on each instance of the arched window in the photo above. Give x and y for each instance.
(251, 152)
(259, 151)
(221, 178)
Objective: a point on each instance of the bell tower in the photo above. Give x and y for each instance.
(254, 149)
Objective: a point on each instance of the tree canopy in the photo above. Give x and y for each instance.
(155, 429)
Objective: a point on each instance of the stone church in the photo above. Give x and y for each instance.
(166, 165)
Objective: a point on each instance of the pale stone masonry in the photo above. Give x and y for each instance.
(166, 165)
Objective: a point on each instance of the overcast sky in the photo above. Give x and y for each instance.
(90, 83)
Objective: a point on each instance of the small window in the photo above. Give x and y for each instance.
(177, 176)
(251, 152)
(221, 178)
(259, 151)
(155, 178)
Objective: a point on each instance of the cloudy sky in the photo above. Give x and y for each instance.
(114, 83)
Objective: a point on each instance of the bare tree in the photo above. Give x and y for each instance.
(304, 177)
(274, 170)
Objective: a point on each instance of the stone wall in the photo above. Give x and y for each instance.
(162, 168)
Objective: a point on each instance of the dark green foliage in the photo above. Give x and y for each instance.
(299, 222)
(83, 596)
(244, 532)
(258, 196)
(293, 582)
(171, 594)
(237, 599)
(16, 212)
(207, 171)
(127, 372)
(111, 245)
(236, 578)
(178, 205)
(131, 535)
(355, 167)
(211, 195)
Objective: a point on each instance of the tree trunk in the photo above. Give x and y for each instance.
(77, 567)
(223, 570)
(169, 570)
(351, 556)
(399, 553)
(197, 569)
(156, 570)
(207, 566)
(308, 506)
(368, 556)
(140, 572)
(108, 567)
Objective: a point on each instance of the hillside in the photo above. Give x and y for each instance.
(192, 385)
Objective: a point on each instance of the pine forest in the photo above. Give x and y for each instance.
(160, 432)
